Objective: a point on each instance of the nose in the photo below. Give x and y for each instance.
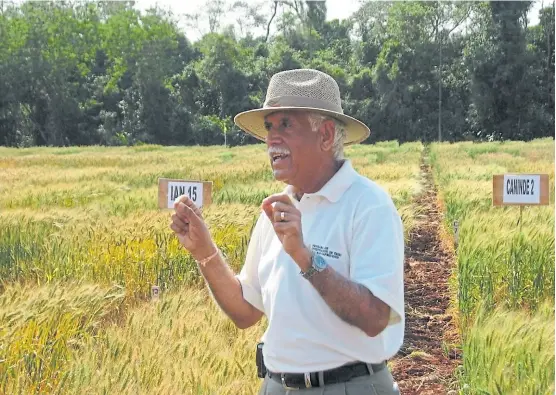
(273, 137)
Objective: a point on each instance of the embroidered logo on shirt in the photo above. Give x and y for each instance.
(324, 251)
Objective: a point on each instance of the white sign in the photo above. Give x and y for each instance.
(523, 189)
(155, 292)
(193, 190)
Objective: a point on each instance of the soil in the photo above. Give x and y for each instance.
(425, 364)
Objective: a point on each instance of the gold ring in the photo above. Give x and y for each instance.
(282, 215)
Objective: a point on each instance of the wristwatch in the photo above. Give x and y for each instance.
(318, 264)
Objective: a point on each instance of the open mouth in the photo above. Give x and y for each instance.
(277, 158)
(278, 154)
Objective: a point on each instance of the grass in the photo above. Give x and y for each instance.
(510, 352)
(179, 345)
(133, 252)
(43, 326)
(504, 284)
(82, 241)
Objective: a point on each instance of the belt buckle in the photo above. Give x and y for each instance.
(283, 377)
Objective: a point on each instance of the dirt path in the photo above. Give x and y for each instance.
(423, 366)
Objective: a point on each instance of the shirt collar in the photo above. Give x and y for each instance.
(336, 186)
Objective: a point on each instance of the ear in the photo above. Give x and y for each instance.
(327, 132)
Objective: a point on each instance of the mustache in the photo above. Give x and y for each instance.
(278, 151)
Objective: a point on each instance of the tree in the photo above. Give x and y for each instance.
(499, 82)
(107, 73)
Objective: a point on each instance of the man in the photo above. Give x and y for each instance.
(325, 260)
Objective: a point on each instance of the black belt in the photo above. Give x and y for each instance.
(333, 376)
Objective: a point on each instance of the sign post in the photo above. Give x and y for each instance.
(520, 190)
(169, 189)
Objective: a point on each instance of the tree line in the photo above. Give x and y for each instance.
(84, 73)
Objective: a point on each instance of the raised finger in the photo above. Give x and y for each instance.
(268, 211)
(277, 197)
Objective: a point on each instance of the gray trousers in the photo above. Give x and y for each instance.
(381, 383)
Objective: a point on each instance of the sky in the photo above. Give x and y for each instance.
(336, 9)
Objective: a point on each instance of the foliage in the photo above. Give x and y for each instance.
(90, 73)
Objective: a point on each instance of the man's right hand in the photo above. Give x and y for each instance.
(193, 234)
(191, 230)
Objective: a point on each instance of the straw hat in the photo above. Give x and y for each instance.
(302, 89)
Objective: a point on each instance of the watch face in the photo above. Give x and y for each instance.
(320, 263)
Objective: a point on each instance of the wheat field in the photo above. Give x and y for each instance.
(82, 241)
(504, 282)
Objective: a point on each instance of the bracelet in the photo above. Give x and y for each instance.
(204, 261)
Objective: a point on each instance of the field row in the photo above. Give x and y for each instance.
(504, 283)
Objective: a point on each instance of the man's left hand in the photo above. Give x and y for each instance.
(286, 220)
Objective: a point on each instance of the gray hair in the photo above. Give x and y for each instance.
(316, 120)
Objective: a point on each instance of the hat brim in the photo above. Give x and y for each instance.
(253, 123)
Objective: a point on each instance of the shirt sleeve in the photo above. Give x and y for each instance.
(377, 255)
(248, 276)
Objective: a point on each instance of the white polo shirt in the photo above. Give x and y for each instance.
(353, 223)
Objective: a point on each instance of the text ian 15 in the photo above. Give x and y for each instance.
(192, 190)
